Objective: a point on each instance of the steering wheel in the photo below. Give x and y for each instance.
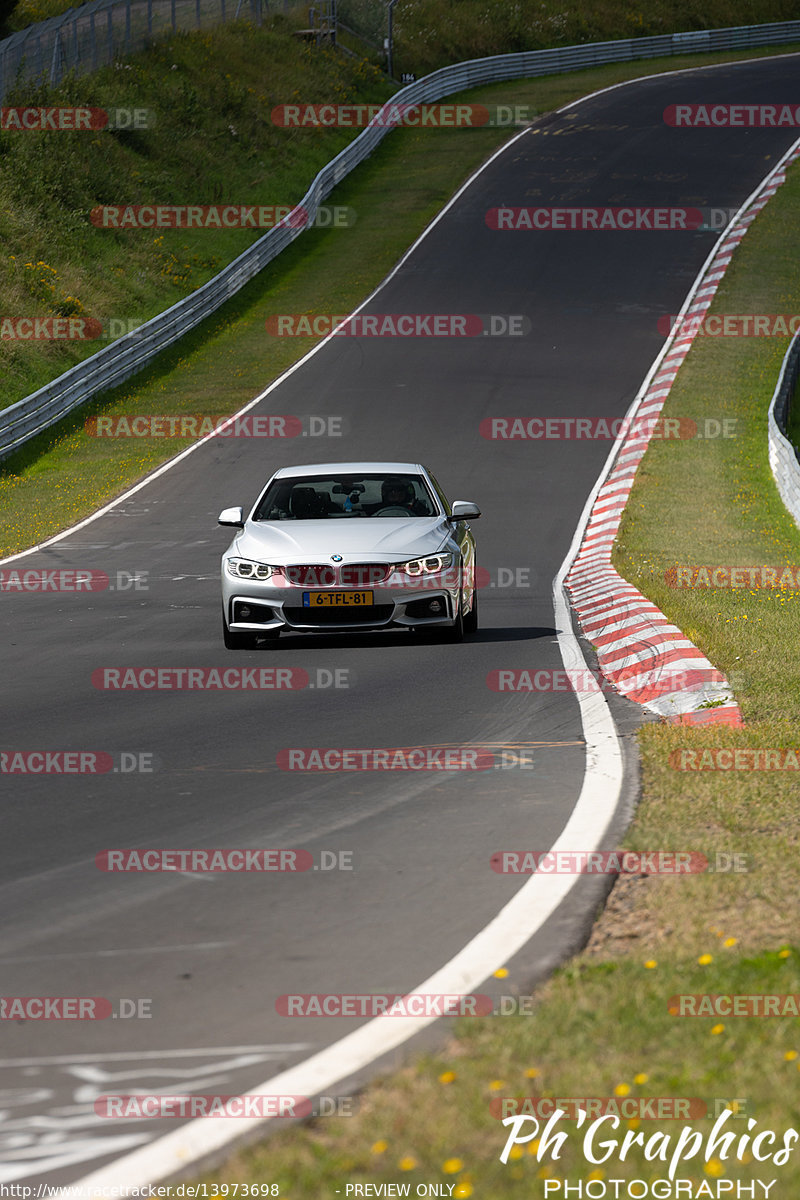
(392, 510)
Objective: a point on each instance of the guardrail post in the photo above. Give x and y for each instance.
(116, 363)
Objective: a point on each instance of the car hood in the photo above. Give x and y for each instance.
(358, 539)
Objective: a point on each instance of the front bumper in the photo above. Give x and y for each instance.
(252, 606)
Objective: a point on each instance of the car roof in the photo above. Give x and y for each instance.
(349, 468)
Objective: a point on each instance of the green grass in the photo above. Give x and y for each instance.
(601, 1025)
(433, 33)
(229, 358)
(210, 140)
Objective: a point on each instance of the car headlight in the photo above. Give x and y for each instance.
(425, 566)
(245, 568)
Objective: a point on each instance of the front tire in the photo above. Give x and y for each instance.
(456, 631)
(236, 641)
(471, 619)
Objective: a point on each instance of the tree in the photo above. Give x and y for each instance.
(6, 9)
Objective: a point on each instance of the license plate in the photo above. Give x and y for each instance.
(336, 599)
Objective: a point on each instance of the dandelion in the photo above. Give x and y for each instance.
(451, 1166)
(705, 959)
(717, 1029)
(651, 964)
(447, 1077)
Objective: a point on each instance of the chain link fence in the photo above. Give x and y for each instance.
(83, 39)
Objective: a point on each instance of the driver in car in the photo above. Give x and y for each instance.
(397, 493)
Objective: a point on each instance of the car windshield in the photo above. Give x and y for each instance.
(323, 497)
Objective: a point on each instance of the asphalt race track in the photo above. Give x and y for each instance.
(212, 953)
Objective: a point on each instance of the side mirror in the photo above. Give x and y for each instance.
(464, 510)
(231, 516)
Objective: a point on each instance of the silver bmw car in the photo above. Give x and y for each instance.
(349, 546)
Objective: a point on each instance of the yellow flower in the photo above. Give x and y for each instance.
(650, 964)
(597, 1173)
(731, 941)
(495, 1085)
(714, 1167)
(790, 1055)
(407, 1164)
(533, 1146)
(447, 1077)
(516, 1152)
(463, 1190)
(717, 1029)
(379, 1147)
(641, 1078)
(451, 1166)
(622, 1089)
(705, 959)
(501, 973)
(784, 953)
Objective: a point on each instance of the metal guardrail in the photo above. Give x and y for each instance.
(117, 362)
(784, 459)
